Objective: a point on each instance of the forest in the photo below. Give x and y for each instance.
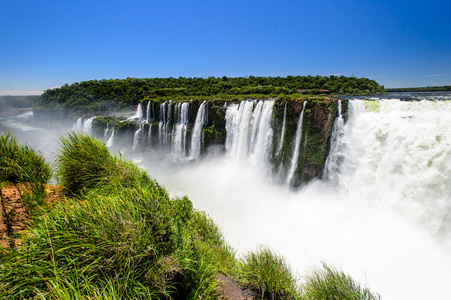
(421, 89)
(97, 96)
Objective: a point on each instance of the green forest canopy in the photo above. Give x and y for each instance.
(96, 96)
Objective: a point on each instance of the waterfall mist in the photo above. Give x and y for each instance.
(382, 215)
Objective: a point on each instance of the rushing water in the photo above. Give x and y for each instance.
(382, 214)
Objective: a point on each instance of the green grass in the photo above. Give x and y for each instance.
(329, 283)
(268, 275)
(120, 235)
(21, 164)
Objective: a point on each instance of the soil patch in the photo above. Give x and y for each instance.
(14, 215)
(231, 291)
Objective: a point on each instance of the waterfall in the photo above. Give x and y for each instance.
(163, 125)
(82, 125)
(249, 132)
(110, 141)
(179, 130)
(149, 136)
(336, 155)
(105, 138)
(397, 154)
(139, 113)
(238, 119)
(196, 137)
(149, 115)
(78, 126)
(137, 138)
(296, 148)
(282, 133)
(87, 125)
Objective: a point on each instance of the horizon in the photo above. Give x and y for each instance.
(50, 43)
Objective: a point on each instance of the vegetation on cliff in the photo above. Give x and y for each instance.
(120, 236)
(97, 96)
(421, 89)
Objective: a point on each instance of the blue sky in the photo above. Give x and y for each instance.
(45, 44)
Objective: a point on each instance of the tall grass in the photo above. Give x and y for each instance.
(84, 163)
(22, 164)
(330, 283)
(268, 275)
(121, 236)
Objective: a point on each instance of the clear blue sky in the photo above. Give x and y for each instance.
(47, 43)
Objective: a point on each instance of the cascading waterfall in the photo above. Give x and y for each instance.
(397, 153)
(82, 125)
(137, 138)
(78, 126)
(110, 141)
(105, 138)
(238, 119)
(150, 114)
(179, 130)
(282, 133)
(87, 125)
(139, 113)
(334, 160)
(196, 137)
(296, 148)
(249, 131)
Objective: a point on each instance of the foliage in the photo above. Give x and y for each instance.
(22, 164)
(268, 274)
(330, 283)
(421, 89)
(86, 163)
(122, 236)
(96, 96)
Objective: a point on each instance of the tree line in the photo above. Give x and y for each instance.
(96, 96)
(445, 88)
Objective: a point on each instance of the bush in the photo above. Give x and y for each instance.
(21, 164)
(268, 275)
(330, 283)
(86, 163)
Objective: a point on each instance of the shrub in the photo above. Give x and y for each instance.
(22, 164)
(268, 274)
(86, 163)
(330, 283)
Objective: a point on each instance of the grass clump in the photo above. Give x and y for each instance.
(329, 283)
(85, 163)
(267, 274)
(21, 164)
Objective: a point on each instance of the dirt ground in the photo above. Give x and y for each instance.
(14, 216)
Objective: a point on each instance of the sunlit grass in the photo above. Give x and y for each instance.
(330, 283)
(268, 274)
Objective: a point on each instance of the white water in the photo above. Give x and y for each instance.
(297, 147)
(196, 137)
(83, 125)
(384, 222)
(110, 142)
(249, 132)
(137, 138)
(282, 133)
(179, 130)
